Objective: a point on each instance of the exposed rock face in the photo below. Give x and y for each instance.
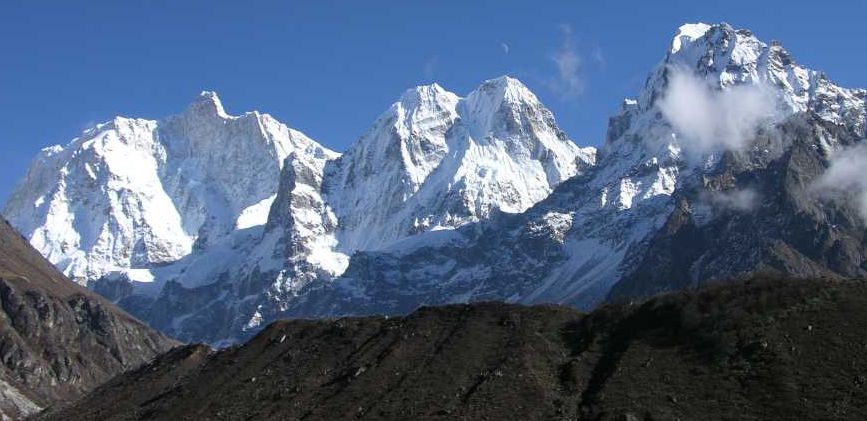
(784, 226)
(57, 339)
(765, 349)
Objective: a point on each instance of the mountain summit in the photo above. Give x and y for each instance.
(132, 194)
(434, 160)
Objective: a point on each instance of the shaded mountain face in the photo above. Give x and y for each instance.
(57, 339)
(714, 171)
(757, 213)
(764, 349)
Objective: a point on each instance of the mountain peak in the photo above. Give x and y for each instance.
(504, 80)
(688, 33)
(208, 103)
(505, 88)
(430, 89)
(426, 94)
(723, 57)
(493, 94)
(713, 47)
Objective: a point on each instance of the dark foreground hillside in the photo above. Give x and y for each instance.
(57, 339)
(764, 349)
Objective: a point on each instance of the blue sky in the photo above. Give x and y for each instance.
(329, 68)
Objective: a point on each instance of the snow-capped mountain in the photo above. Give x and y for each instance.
(432, 161)
(253, 212)
(435, 161)
(133, 194)
(226, 223)
(684, 192)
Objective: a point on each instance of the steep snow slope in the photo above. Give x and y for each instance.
(672, 186)
(130, 195)
(434, 161)
(431, 162)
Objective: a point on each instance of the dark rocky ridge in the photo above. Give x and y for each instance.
(761, 349)
(57, 339)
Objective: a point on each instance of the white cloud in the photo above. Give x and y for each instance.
(707, 119)
(846, 176)
(598, 57)
(569, 81)
(430, 67)
(505, 47)
(741, 200)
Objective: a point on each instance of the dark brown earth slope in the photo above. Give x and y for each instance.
(764, 349)
(58, 340)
